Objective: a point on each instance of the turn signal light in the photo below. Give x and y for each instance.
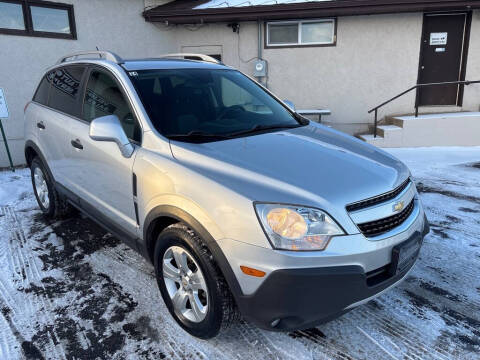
(252, 272)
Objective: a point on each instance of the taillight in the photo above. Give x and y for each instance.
(26, 106)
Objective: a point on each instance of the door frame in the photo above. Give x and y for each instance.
(463, 59)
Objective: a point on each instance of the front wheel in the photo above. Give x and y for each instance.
(191, 284)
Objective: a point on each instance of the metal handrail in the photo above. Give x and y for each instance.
(107, 55)
(466, 82)
(191, 56)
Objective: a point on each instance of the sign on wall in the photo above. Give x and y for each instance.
(438, 38)
(3, 106)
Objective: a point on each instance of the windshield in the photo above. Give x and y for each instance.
(208, 104)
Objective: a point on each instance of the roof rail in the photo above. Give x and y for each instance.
(192, 56)
(107, 55)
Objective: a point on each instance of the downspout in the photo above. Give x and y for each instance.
(259, 39)
(259, 51)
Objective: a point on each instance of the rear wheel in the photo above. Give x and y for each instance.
(194, 290)
(41, 188)
(50, 202)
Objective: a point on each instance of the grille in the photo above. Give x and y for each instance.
(378, 227)
(378, 199)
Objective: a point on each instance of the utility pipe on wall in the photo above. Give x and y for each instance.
(259, 53)
(259, 39)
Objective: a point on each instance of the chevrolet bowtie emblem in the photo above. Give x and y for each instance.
(398, 206)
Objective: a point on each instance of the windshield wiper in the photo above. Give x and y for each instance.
(258, 128)
(197, 135)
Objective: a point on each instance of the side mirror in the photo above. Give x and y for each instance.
(289, 104)
(109, 128)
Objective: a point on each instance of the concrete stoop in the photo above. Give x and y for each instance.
(448, 129)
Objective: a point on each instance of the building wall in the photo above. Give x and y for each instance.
(116, 25)
(236, 48)
(376, 57)
(471, 100)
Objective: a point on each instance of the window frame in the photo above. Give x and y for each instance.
(28, 20)
(268, 45)
(91, 68)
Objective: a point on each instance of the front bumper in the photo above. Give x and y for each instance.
(297, 298)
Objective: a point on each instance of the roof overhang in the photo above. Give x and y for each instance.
(185, 12)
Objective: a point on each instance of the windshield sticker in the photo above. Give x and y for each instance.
(64, 81)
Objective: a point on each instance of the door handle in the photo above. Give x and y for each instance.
(41, 125)
(77, 144)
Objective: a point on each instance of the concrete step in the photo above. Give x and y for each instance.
(389, 132)
(397, 121)
(441, 129)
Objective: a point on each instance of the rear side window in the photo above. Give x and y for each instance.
(65, 87)
(104, 97)
(41, 95)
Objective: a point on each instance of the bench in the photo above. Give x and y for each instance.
(314, 112)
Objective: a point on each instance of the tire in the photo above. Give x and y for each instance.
(50, 202)
(219, 309)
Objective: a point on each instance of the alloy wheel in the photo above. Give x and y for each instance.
(41, 187)
(185, 284)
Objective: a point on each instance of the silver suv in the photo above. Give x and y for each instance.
(243, 206)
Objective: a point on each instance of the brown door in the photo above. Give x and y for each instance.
(443, 46)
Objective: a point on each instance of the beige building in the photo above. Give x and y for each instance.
(345, 56)
(349, 57)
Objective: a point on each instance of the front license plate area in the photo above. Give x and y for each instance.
(404, 254)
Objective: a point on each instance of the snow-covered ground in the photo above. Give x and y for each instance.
(70, 290)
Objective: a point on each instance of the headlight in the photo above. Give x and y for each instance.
(291, 227)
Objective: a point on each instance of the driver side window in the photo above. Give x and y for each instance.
(104, 97)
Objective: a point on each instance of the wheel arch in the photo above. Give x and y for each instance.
(31, 151)
(162, 216)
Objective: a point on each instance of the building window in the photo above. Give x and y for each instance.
(50, 20)
(321, 32)
(11, 16)
(37, 18)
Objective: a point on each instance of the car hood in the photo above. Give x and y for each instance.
(311, 165)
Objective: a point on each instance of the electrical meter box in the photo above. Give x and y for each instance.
(260, 68)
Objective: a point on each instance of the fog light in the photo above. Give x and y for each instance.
(274, 322)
